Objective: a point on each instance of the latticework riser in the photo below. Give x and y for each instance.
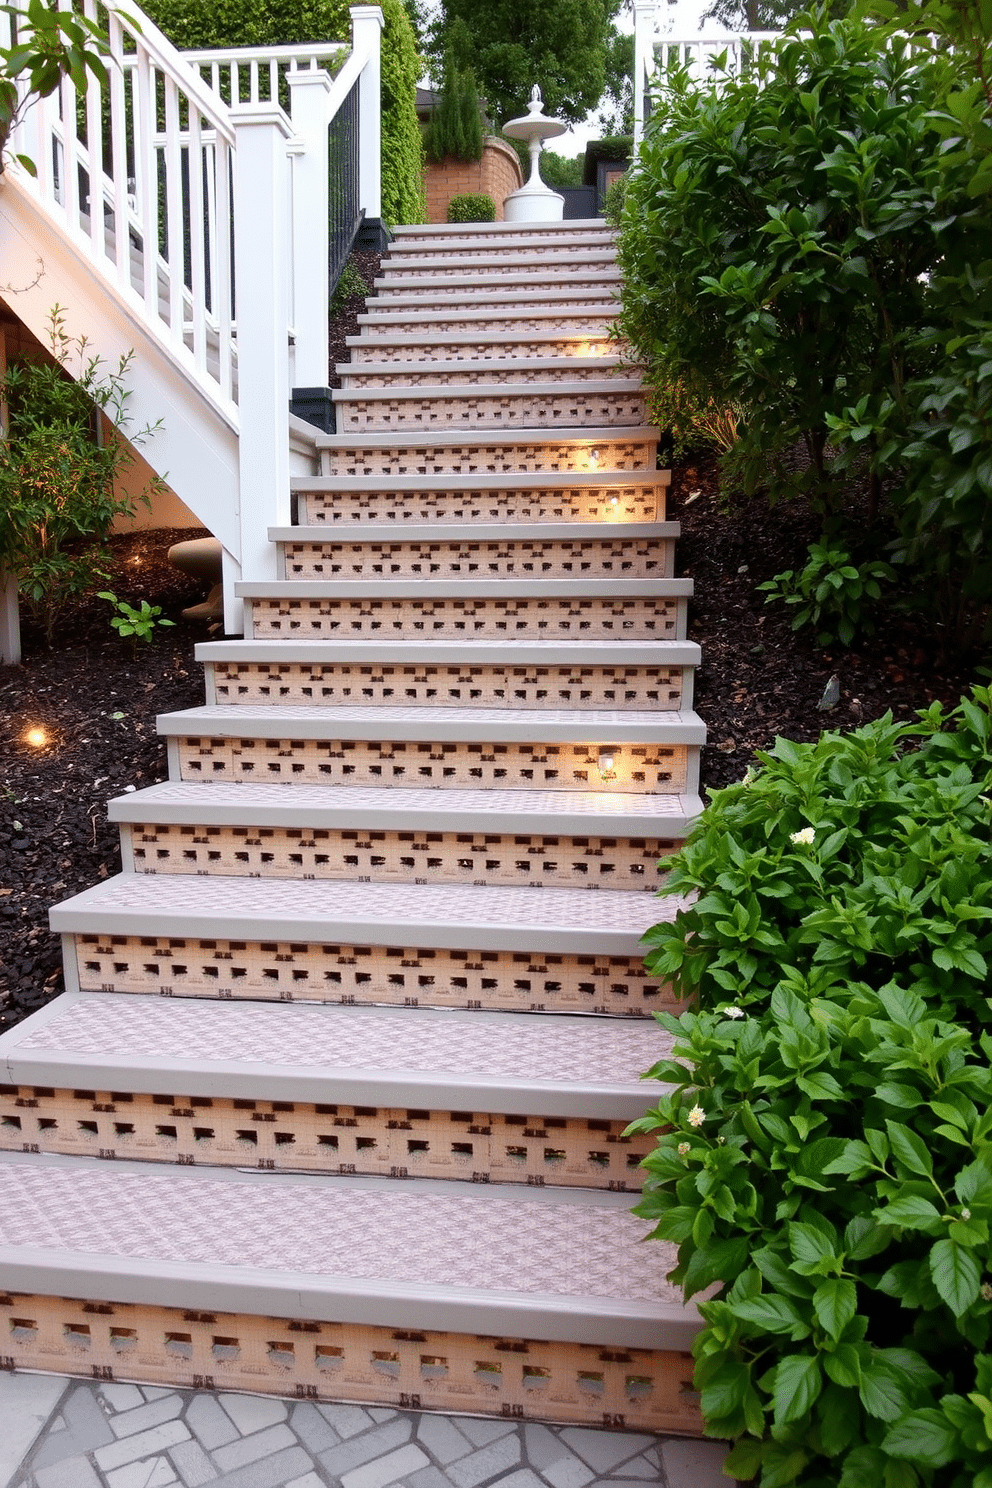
(463, 686)
(584, 1383)
(397, 857)
(383, 350)
(404, 976)
(464, 1146)
(574, 324)
(641, 619)
(636, 768)
(498, 257)
(549, 409)
(451, 374)
(541, 455)
(615, 505)
(489, 284)
(620, 558)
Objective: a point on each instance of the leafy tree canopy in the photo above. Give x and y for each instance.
(562, 45)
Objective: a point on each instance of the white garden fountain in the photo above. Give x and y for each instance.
(534, 202)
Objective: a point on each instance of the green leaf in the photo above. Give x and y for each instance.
(798, 1384)
(956, 1275)
(910, 1213)
(835, 1302)
(923, 1436)
(773, 1315)
(882, 1393)
(844, 1366)
(909, 1149)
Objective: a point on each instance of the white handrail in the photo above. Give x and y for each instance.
(222, 68)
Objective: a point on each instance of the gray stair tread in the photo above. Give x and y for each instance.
(426, 392)
(518, 237)
(577, 225)
(435, 1058)
(453, 314)
(332, 911)
(392, 808)
(444, 725)
(468, 338)
(522, 1262)
(469, 653)
(587, 256)
(484, 438)
(482, 279)
(415, 588)
(504, 296)
(443, 365)
(477, 532)
(485, 480)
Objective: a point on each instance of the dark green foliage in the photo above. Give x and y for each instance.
(825, 1146)
(559, 170)
(476, 207)
(832, 593)
(812, 243)
(559, 44)
(57, 496)
(402, 149)
(455, 128)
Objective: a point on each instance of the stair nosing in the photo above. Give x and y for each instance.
(598, 434)
(445, 725)
(427, 392)
(643, 1322)
(509, 652)
(501, 532)
(503, 588)
(376, 1083)
(333, 911)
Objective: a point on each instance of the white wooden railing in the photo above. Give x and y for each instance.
(205, 214)
(655, 51)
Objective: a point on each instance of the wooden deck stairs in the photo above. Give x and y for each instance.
(334, 1103)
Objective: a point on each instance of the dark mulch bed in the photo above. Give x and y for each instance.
(97, 696)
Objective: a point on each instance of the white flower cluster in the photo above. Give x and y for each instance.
(696, 1116)
(804, 838)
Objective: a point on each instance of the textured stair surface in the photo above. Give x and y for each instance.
(417, 827)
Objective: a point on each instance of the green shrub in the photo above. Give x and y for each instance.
(133, 623)
(613, 199)
(825, 1152)
(833, 593)
(402, 147)
(473, 207)
(455, 128)
(57, 496)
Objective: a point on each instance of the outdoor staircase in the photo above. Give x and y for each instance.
(325, 970)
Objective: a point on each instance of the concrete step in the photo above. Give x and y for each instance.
(602, 502)
(462, 244)
(616, 401)
(367, 376)
(414, 350)
(537, 282)
(461, 609)
(530, 1302)
(592, 675)
(475, 1097)
(473, 550)
(500, 949)
(585, 318)
(597, 451)
(442, 748)
(574, 231)
(383, 834)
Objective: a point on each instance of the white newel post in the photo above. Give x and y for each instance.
(644, 28)
(366, 36)
(262, 298)
(308, 104)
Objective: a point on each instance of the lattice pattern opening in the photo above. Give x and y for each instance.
(612, 504)
(450, 374)
(463, 686)
(637, 768)
(646, 618)
(550, 408)
(419, 857)
(593, 343)
(378, 322)
(491, 459)
(391, 1142)
(404, 976)
(643, 1390)
(607, 557)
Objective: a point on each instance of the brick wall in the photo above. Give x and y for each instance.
(497, 174)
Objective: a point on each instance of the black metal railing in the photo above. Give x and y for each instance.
(343, 211)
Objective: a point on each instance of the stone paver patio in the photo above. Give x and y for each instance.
(57, 1432)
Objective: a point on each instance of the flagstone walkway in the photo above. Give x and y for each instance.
(57, 1432)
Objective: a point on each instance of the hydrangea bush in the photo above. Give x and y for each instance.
(824, 1159)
